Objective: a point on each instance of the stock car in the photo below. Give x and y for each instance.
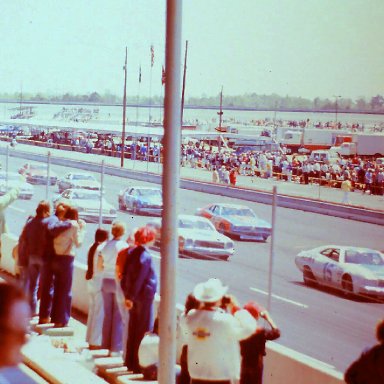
(87, 203)
(353, 270)
(197, 236)
(236, 221)
(78, 180)
(36, 173)
(15, 180)
(141, 200)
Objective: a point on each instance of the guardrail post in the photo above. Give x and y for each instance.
(6, 167)
(272, 248)
(48, 175)
(101, 194)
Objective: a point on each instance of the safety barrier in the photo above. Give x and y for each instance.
(256, 172)
(282, 365)
(285, 201)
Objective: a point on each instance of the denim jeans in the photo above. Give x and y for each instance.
(62, 271)
(112, 334)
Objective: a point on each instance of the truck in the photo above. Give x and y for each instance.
(365, 145)
(312, 138)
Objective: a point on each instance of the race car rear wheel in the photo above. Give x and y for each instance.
(308, 277)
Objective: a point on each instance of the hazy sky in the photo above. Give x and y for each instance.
(302, 48)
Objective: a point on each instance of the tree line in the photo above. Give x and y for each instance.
(251, 101)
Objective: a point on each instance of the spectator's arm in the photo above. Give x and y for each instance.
(58, 227)
(9, 198)
(246, 324)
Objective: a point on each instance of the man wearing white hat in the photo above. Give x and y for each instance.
(213, 336)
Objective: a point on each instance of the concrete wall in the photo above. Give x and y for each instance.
(282, 365)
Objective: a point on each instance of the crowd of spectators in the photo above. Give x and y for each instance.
(365, 175)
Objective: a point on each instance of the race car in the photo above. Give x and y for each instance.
(353, 270)
(37, 173)
(78, 180)
(141, 200)
(236, 221)
(88, 204)
(197, 236)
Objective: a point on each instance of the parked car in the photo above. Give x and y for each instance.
(197, 236)
(236, 220)
(141, 200)
(78, 180)
(353, 270)
(15, 180)
(36, 173)
(88, 204)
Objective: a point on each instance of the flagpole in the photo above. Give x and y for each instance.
(150, 101)
(184, 77)
(124, 110)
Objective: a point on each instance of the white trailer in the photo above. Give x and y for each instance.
(311, 138)
(362, 145)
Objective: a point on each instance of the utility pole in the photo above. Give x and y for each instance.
(124, 110)
(184, 77)
(220, 113)
(337, 97)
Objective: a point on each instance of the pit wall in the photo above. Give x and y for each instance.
(281, 364)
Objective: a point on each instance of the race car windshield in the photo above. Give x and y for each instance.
(365, 258)
(195, 225)
(237, 212)
(86, 196)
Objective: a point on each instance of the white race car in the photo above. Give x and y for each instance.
(78, 180)
(355, 271)
(87, 203)
(197, 236)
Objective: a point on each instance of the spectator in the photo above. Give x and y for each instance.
(55, 225)
(6, 200)
(112, 333)
(369, 367)
(212, 337)
(95, 306)
(346, 187)
(14, 321)
(139, 284)
(215, 175)
(65, 246)
(233, 177)
(253, 348)
(36, 260)
(181, 348)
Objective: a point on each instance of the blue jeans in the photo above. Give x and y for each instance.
(112, 334)
(32, 282)
(62, 271)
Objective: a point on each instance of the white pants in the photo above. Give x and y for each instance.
(95, 318)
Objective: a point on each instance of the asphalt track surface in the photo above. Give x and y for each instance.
(319, 323)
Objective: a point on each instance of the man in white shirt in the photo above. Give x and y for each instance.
(212, 337)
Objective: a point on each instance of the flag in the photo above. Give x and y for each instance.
(152, 55)
(163, 75)
(140, 74)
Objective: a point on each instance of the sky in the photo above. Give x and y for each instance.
(306, 48)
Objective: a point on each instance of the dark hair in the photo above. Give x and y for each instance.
(101, 235)
(380, 331)
(72, 214)
(43, 208)
(191, 303)
(9, 294)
